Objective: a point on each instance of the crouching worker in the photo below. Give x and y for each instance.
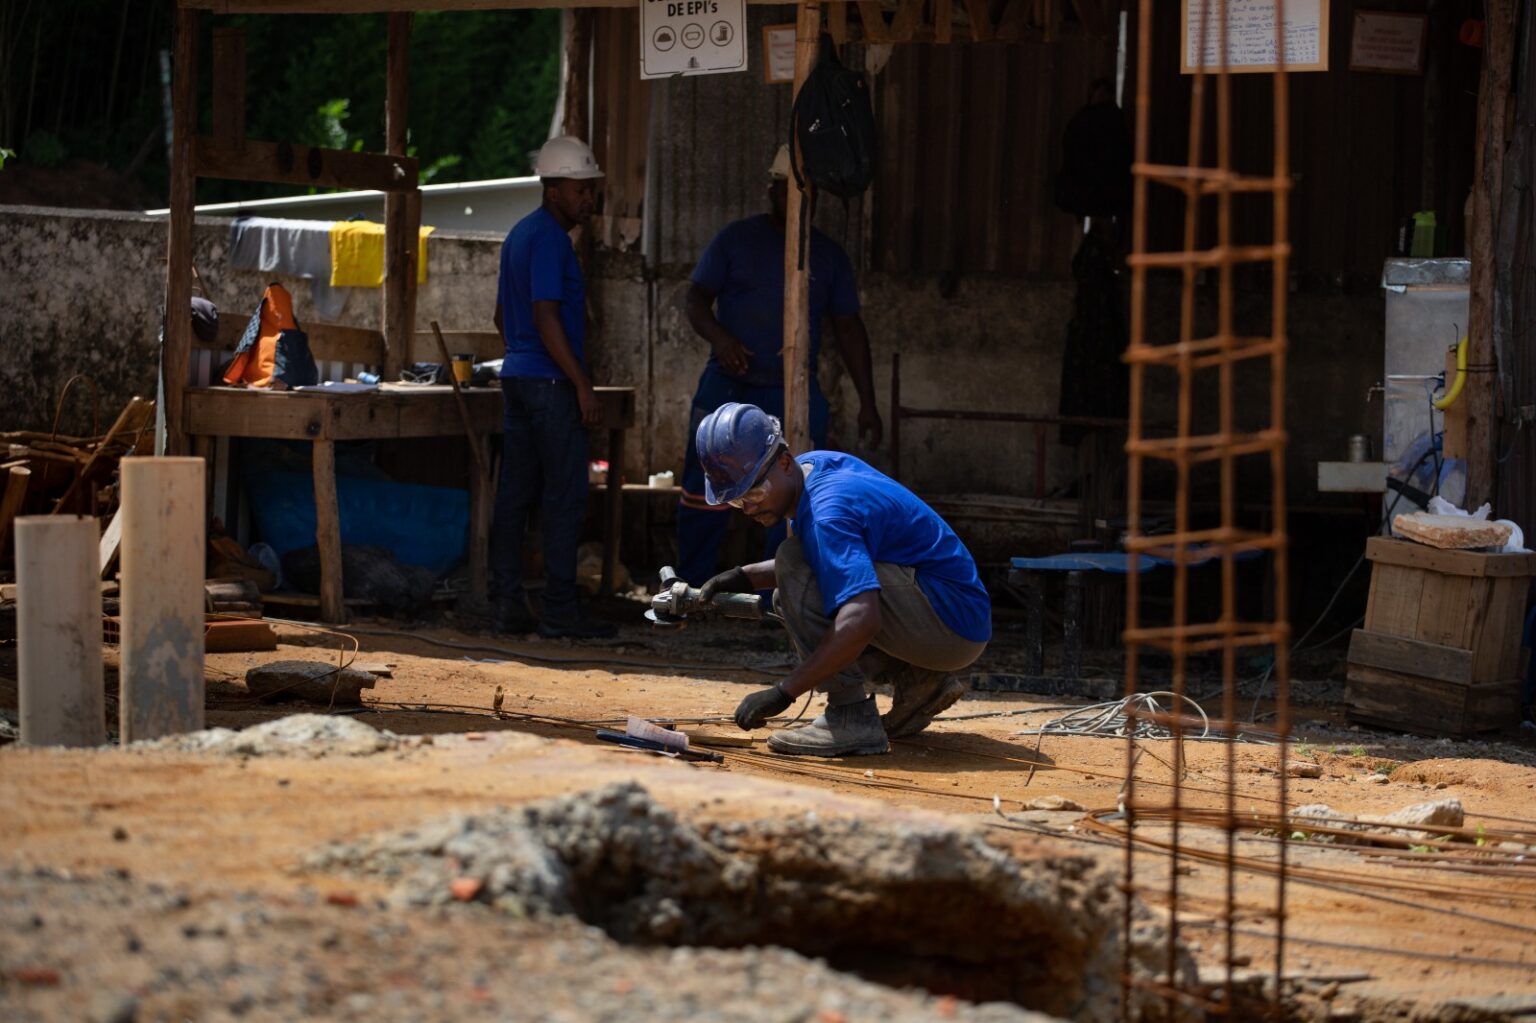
(872, 585)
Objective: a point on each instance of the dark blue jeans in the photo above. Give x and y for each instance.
(701, 528)
(543, 462)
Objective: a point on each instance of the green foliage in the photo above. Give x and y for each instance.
(44, 149)
(1304, 750)
(1383, 768)
(482, 86)
(1358, 751)
(6, 154)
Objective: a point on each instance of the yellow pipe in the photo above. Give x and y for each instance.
(1448, 399)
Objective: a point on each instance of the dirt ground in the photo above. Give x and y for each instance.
(198, 860)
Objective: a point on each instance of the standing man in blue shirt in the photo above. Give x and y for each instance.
(872, 585)
(736, 303)
(548, 401)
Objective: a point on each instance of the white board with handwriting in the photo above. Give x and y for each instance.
(1251, 42)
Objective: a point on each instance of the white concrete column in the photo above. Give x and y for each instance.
(58, 628)
(162, 597)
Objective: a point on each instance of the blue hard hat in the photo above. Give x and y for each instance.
(734, 443)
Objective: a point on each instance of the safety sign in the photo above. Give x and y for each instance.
(692, 37)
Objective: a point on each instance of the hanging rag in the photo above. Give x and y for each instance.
(357, 254)
(299, 248)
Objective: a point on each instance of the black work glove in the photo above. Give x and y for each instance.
(756, 709)
(732, 580)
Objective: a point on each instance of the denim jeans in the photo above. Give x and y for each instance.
(701, 529)
(543, 462)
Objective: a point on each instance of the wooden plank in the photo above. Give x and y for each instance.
(17, 480)
(576, 80)
(229, 84)
(333, 342)
(312, 415)
(328, 533)
(980, 13)
(161, 658)
(1442, 609)
(1410, 656)
(231, 636)
(481, 468)
(943, 20)
(837, 22)
(1391, 551)
(909, 14)
(1493, 705)
(872, 18)
(484, 345)
(290, 163)
(1405, 702)
(1393, 607)
(402, 212)
(111, 540)
(58, 624)
(1502, 625)
(797, 278)
(177, 353)
(386, 6)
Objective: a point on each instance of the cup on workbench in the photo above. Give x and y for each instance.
(463, 368)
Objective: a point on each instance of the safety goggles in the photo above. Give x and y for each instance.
(757, 491)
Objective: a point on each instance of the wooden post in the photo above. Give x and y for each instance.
(229, 86)
(17, 480)
(177, 354)
(402, 210)
(1493, 109)
(576, 83)
(613, 532)
(333, 607)
(162, 597)
(58, 624)
(797, 279)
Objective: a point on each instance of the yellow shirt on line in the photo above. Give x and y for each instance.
(357, 254)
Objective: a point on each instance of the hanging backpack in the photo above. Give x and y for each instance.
(274, 350)
(835, 125)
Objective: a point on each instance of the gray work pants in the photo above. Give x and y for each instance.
(910, 629)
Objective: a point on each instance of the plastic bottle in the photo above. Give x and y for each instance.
(1423, 235)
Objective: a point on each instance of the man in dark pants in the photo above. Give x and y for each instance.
(872, 586)
(736, 303)
(541, 311)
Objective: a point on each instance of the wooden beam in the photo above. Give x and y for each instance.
(797, 348)
(943, 20)
(388, 6)
(909, 14)
(576, 79)
(288, 163)
(229, 85)
(872, 18)
(1494, 102)
(177, 353)
(58, 623)
(402, 210)
(328, 533)
(837, 22)
(980, 12)
(162, 597)
(17, 480)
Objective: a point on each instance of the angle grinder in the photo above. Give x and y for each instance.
(677, 601)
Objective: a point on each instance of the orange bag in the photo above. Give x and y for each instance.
(273, 349)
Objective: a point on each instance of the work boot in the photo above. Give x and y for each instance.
(581, 627)
(921, 695)
(851, 730)
(513, 617)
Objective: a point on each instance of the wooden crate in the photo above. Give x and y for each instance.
(1440, 651)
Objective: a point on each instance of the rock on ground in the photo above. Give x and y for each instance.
(311, 681)
(313, 735)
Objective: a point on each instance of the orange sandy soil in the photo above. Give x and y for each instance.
(244, 824)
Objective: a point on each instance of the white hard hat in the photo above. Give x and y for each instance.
(780, 166)
(566, 156)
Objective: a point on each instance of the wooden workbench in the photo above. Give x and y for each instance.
(393, 412)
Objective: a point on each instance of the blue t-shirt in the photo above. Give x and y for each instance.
(538, 264)
(744, 266)
(851, 515)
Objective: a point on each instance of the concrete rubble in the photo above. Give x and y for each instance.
(306, 735)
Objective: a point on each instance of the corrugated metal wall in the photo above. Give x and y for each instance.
(971, 137)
